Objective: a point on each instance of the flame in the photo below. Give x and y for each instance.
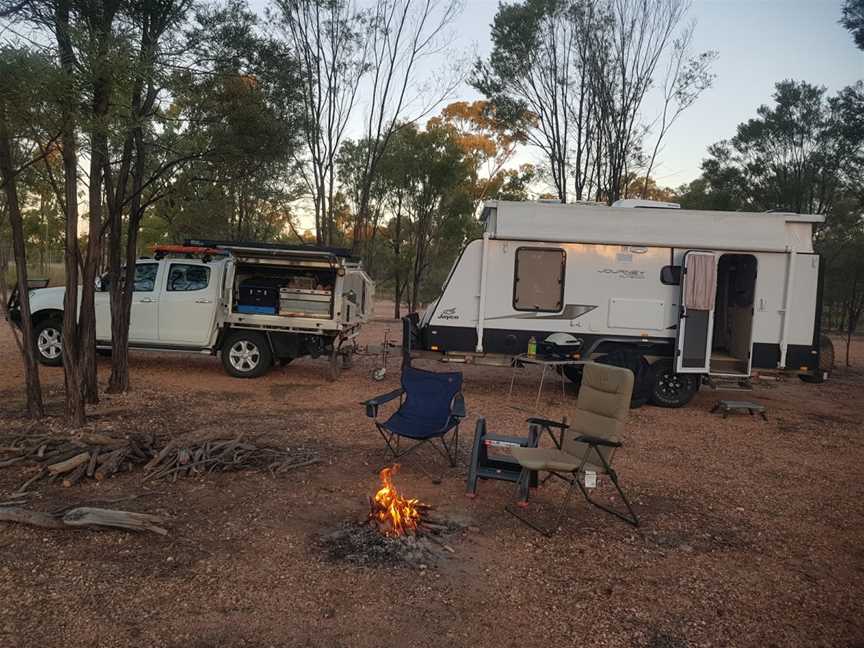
(394, 514)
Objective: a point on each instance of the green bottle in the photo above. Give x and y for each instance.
(532, 347)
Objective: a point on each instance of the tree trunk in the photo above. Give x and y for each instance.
(74, 406)
(121, 302)
(98, 157)
(397, 252)
(28, 350)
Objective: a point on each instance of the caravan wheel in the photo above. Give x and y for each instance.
(672, 389)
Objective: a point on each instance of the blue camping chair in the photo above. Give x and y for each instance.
(430, 406)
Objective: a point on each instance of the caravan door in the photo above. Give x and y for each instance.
(696, 320)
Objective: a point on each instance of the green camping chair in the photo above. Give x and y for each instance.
(587, 443)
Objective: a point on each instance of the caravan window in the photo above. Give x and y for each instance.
(538, 284)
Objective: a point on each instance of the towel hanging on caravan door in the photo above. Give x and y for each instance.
(700, 284)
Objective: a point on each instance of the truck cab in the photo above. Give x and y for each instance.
(175, 303)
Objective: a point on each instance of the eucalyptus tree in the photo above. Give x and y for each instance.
(583, 69)
(327, 41)
(401, 36)
(26, 75)
(536, 68)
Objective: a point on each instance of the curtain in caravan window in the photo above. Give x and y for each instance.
(700, 284)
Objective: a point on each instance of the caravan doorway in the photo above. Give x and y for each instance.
(732, 341)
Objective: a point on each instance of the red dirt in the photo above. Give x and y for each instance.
(751, 531)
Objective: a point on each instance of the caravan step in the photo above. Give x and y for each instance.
(730, 383)
(728, 365)
(727, 406)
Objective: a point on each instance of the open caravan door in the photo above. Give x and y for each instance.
(696, 320)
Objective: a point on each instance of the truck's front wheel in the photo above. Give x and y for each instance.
(246, 355)
(49, 342)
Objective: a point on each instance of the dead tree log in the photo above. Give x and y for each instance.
(85, 517)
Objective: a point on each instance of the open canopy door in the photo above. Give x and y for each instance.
(698, 291)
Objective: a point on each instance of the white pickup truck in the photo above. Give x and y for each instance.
(251, 303)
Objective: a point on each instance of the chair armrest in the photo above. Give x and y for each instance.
(597, 441)
(373, 403)
(457, 407)
(547, 423)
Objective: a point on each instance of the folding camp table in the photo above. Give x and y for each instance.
(546, 363)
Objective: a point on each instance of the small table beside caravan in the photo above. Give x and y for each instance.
(546, 363)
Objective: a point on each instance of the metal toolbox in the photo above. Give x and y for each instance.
(295, 302)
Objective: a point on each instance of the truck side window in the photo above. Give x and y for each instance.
(145, 277)
(184, 277)
(671, 275)
(538, 284)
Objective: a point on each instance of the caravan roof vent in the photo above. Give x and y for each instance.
(635, 203)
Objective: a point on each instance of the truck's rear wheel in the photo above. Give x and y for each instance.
(48, 337)
(672, 389)
(246, 355)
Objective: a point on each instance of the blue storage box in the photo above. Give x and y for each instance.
(256, 310)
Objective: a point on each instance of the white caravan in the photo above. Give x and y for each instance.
(693, 292)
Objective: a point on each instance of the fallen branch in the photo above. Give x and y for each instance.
(70, 464)
(71, 460)
(211, 455)
(88, 456)
(85, 517)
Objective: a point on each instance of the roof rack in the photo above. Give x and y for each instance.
(264, 247)
(161, 249)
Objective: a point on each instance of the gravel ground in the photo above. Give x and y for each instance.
(751, 531)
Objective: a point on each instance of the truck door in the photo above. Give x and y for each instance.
(696, 312)
(144, 317)
(188, 305)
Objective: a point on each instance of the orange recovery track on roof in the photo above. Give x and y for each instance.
(186, 249)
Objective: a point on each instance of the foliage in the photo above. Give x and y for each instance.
(236, 112)
(853, 20)
(795, 155)
(488, 144)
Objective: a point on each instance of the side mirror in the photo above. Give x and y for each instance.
(98, 284)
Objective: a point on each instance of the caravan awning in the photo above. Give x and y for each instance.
(678, 228)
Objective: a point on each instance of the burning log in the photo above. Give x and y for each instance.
(392, 514)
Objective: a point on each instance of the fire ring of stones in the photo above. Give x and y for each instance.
(397, 532)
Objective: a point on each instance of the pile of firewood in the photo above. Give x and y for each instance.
(92, 456)
(72, 459)
(184, 458)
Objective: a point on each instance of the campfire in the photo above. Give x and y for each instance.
(392, 514)
(396, 531)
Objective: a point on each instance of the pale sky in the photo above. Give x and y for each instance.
(759, 43)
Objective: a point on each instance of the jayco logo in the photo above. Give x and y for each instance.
(448, 314)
